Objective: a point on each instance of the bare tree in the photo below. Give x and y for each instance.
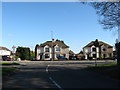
(109, 13)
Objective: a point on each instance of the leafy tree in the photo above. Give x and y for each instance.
(23, 53)
(32, 54)
(36, 50)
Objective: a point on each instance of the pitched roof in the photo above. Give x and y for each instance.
(100, 44)
(57, 42)
(4, 48)
(71, 52)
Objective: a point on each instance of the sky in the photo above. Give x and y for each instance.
(30, 23)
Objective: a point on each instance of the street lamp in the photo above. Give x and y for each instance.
(96, 44)
(14, 49)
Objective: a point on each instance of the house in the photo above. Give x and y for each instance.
(4, 51)
(71, 55)
(51, 50)
(80, 56)
(97, 49)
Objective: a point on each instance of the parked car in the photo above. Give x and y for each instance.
(73, 58)
(32, 59)
(61, 57)
(114, 57)
(6, 58)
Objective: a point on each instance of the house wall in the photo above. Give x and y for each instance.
(65, 51)
(88, 50)
(5, 52)
(93, 52)
(107, 52)
(42, 50)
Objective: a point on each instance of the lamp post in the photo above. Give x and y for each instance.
(14, 49)
(52, 50)
(96, 44)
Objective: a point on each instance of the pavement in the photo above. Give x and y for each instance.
(61, 75)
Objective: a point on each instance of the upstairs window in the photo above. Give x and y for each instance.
(58, 49)
(47, 50)
(94, 49)
(104, 49)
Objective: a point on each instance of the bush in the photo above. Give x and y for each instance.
(100, 58)
(90, 58)
(16, 57)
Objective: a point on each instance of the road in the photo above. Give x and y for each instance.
(54, 74)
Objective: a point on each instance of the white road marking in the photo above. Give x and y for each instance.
(56, 83)
(52, 79)
(47, 68)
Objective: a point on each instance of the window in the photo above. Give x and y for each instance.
(104, 55)
(94, 49)
(46, 49)
(104, 49)
(57, 55)
(64, 55)
(58, 49)
(110, 54)
(94, 55)
(46, 55)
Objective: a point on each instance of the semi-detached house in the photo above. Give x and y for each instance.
(52, 50)
(98, 49)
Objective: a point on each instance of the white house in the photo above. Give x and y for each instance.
(51, 50)
(4, 51)
(101, 50)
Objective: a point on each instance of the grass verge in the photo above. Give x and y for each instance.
(7, 70)
(5, 63)
(108, 69)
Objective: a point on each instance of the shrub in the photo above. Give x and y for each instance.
(90, 58)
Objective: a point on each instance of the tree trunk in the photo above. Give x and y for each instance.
(118, 53)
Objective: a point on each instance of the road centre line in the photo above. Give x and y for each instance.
(56, 83)
(47, 68)
(52, 79)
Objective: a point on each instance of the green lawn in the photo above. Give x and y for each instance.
(7, 70)
(5, 63)
(108, 69)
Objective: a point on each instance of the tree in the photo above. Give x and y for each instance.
(23, 53)
(109, 12)
(36, 50)
(110, 19)
(32, 54)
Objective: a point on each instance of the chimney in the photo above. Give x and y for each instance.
(53, 39)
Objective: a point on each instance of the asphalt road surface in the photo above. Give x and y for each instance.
(54, 74)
